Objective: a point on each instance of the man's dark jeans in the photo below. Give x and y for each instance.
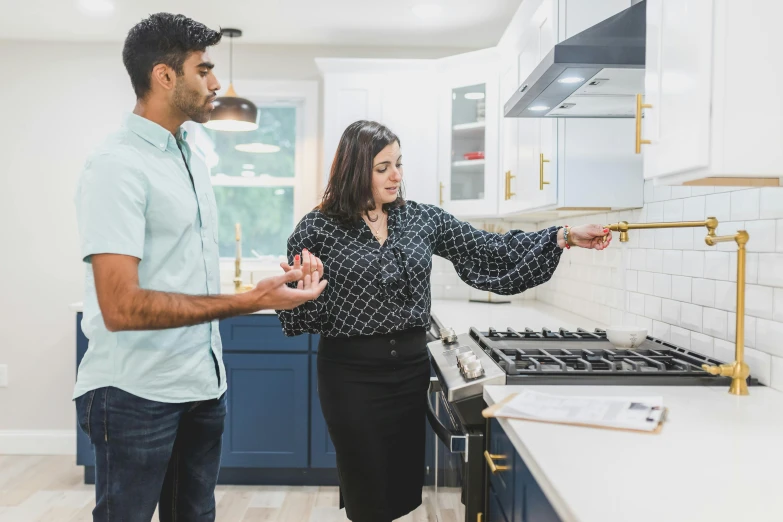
(148, 452)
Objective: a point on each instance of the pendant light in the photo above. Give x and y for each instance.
(231, 112)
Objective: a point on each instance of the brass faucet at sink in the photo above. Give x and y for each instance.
(738, 370)
(239, 287)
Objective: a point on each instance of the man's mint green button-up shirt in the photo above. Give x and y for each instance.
(136, 198)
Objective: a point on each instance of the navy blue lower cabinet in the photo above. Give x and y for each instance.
(536, 506)
(322, 454)
(502, 453)
(267, 419)
(259, 333)
(495, 511)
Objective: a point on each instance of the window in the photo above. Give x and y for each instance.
(257, 176)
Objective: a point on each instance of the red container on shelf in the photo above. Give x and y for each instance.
(473, 155)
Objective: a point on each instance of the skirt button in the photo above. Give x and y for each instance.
(392, 342)
(394, 353)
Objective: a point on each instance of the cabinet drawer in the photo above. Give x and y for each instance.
(502, 482)
(259, 333)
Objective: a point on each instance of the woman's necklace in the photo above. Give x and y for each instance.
(376, 231)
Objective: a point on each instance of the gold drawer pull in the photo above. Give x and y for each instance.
(494, 468)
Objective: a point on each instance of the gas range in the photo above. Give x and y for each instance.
(466, 363)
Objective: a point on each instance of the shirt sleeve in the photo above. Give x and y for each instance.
(111, 201)
(505, 264)
(305, 318)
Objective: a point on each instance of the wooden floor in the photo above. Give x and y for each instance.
(51, 489)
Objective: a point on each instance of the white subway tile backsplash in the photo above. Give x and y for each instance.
(663, 285)
(652, 307)
(771, 206)
(680, 337)
(670, 311)
(779, 236)
(638, 259)
(693, 264)
(681, 288)
(654, 212)
(646, 283)
(617, 316)
(631, 280)
(715, 322)
(702, 343)
(702, 191)
(636, 303)
(644, 322)
(646, 237)
(655, 260)
(698, 239)
(763, 235)
(673, 210)
(661, 331)
(771, 270)
(662, 193)
(716, 265)
(758, 301)
(680, 192)
(777, 305)
(664, 238)
(672, 262)
(691, 317)
(703, 292)
(776, 380)
(682, 239)
(718, 206)
(726, 295)
(745, 204)
(693, 209)
(769, 337)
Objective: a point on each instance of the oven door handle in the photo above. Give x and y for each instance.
(454, 439)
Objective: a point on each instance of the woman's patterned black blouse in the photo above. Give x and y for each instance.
(374, 289)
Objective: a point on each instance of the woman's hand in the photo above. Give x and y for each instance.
(308, 263)
(596, 237)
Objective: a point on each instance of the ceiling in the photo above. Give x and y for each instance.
(464, 24)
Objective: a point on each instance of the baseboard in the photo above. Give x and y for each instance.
(37, 442)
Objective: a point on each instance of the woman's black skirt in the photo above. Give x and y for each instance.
(373, 392)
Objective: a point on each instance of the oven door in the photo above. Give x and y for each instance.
(459, 467)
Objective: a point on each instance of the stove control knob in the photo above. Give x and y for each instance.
(448, 336)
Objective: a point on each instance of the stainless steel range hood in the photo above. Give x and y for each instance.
(594, 74)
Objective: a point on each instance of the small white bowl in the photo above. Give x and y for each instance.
(626, 336)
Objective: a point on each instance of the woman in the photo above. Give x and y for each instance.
(373, 366)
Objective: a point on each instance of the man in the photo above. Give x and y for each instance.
(150, 391)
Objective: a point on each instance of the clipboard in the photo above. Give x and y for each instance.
(489, 413)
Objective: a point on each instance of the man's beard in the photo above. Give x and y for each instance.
(191, 103)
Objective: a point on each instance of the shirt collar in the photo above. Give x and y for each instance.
(154, 133)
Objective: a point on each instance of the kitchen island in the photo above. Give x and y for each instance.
(717, 458)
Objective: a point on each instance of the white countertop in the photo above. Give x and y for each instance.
(461, 315)
(718, 458)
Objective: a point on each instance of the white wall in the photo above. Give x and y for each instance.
(679, 288)
(60, 101)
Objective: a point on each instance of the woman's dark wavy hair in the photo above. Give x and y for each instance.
(163, 38)
(348, 194)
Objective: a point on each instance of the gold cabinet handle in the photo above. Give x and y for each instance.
(479, 517)
(541, 162)
(639, 107)
(507, 194)
(494, 468)
(441, 194)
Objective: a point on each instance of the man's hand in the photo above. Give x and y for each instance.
(274, 292)
(308, 264)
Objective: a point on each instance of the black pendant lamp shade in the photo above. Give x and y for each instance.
(231, 112)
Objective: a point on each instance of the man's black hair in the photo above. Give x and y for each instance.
(163, 38)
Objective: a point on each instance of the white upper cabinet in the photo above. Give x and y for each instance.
(397, 93)
(468, 148)
(713, 84)
(562, 163)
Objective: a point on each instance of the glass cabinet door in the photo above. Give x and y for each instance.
(468, 142)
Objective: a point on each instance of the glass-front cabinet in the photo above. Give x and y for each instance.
(468, 140)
